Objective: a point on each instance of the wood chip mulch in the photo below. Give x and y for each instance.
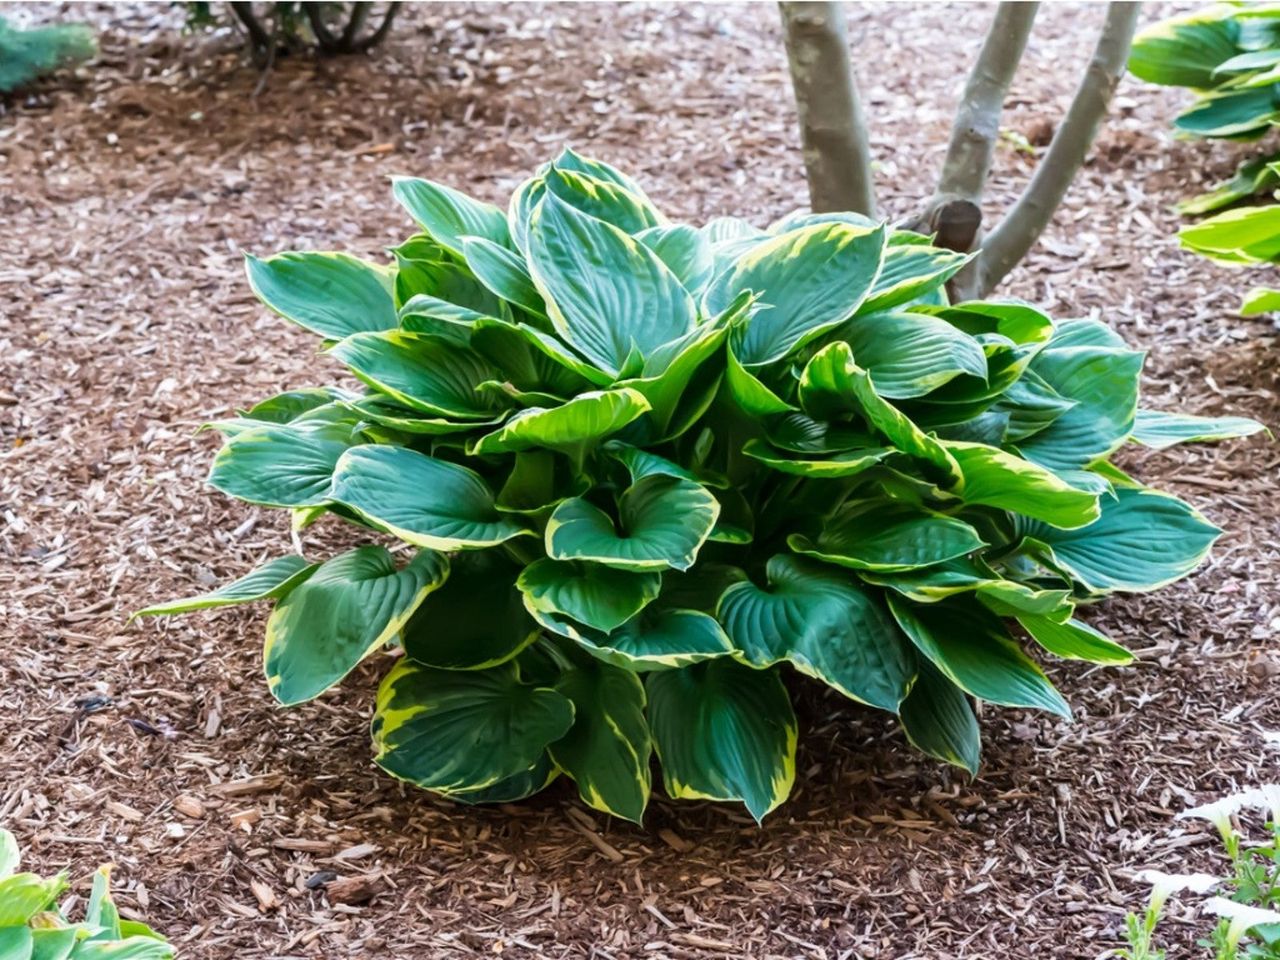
(127, 192)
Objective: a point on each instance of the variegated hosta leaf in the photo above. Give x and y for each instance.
(422, 373)
(910, 354)
(998, 479)
(1142, 541)
(752, 394)
(607, 295)
(503, 272)
(422, 500)
(848, 463)
(347, 609)
(271, 581)
(601, 199)
(331, 294)
(1156, 429)
(724, 732)
(606, 751)
(818, 620)
(475, 620)
(590, 416)
(461, 731)
(809, 281)
(1104, 383)
(685, 251)
(448, 215)
(23, 895)
(664, 522)
(659, 637)
(872, 536)
(968, 575)
(938, 720)
(971, 647)
(910, 271)
(516, 787)
(1073, 640)
(598, 596)
(281, 465)
(833, 384)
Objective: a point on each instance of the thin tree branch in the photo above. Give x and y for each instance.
(359, 13)
(325, 38)
(258, 36)
(977, 122)
(375, 38)
(833, 132)
(1009, 242)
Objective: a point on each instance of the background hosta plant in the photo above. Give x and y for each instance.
(639, 471)
(34, 927)
(1230, 55)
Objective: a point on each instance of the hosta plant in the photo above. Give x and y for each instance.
(1230, 55)
(636, 474)
(34, 927)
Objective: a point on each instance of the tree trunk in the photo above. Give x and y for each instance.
(833, 132)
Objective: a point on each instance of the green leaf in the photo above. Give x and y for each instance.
(832, 382)
(424, 501)
(847, 464)
(1260, 300)
(270, 581)
(599, 597)
(972, 649)
(1184, 51)
(667, 374)
(375, 409)
(349, 608)
(51, 943)
(1074, 640)
(664, 522)
(1251, 177)
(281, 465)
(750, 393)
(423, 373)
(132, 948)
(602, 199)
(874, 536)
(1104, 383)
(809, 280)
(504, 273)
(463, 730)
(818, 620)
(686, 252)
(292, 404)
(448, 215)
(10, 856)
(475, 620)
(443, 282)
(1156, 429)
(724, 732)
(999, 479)
(1143, 540)
(937, 719)
(607, 294)
(1231, 113)
(658, 639)
(969, 575)
(1246, 235)
(16, 943)
(23, 895)
(513, 788)
(910, 271)
(911, 354)
(331, 294)
(586, 418)
(606, 751)
(642, 463)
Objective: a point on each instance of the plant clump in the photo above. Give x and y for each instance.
(618, 476)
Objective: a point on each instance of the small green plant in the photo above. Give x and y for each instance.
(636, 467)
(34, 927)
(1249, 924)
(1230, 55)
(28, 55)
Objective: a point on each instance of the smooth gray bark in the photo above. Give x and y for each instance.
(833, 132)
(977, 124)
(1009, 242)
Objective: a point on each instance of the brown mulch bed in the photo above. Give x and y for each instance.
(126, 196)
